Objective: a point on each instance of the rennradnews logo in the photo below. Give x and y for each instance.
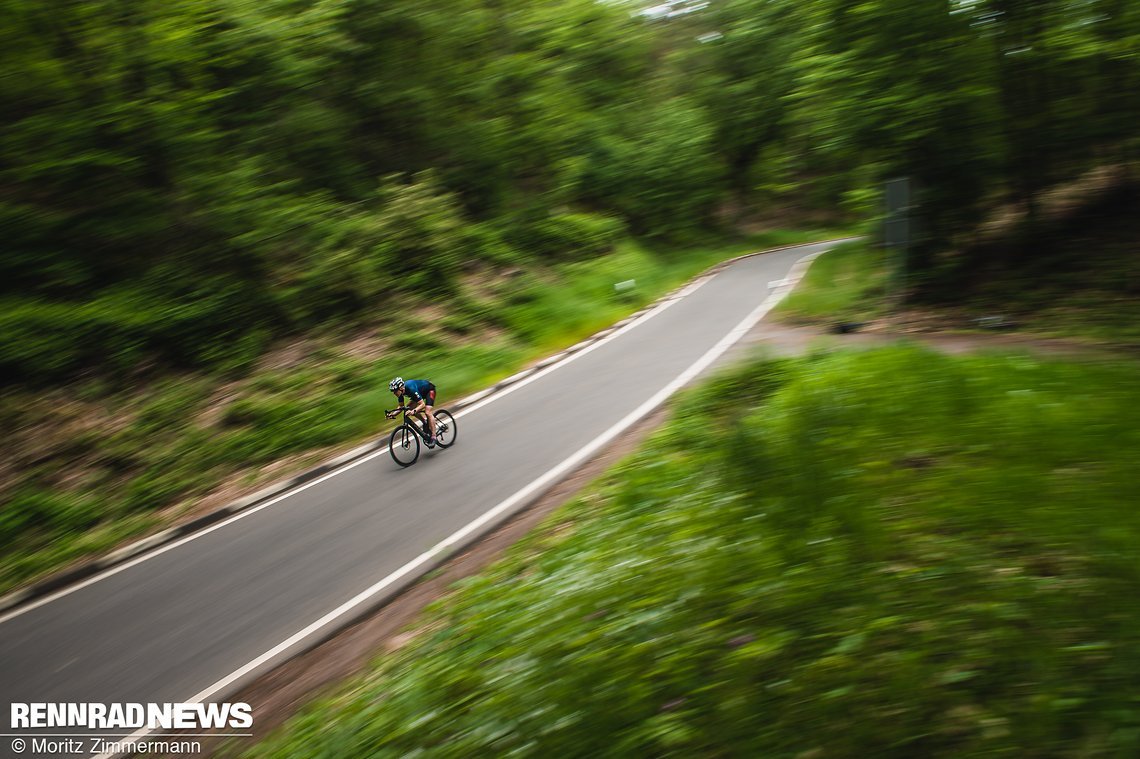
(121, 716)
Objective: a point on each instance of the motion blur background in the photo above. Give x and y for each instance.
(226, 223)
(186, 181)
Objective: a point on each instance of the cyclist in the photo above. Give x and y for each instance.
(421, 395)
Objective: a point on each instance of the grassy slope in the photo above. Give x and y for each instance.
(88, 466)
(895, 553)
(849, 283)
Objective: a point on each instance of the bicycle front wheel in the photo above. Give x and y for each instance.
(404, 445)
(445, 429)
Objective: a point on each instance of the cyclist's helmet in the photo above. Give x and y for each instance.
(396, 384)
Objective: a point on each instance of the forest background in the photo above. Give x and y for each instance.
(186, 186)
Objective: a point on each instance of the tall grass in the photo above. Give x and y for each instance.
(849, 283)
(895, 553)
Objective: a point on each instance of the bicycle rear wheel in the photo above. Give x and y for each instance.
(404, 445)
(445, 428)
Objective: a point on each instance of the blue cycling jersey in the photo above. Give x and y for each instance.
(419, 390)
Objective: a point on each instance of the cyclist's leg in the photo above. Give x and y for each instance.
(429, 401)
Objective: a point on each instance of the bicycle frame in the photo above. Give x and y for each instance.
(408, 432)
(415, 427)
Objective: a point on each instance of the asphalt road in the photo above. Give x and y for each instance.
(168, 627)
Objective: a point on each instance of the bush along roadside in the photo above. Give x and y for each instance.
(891, 553)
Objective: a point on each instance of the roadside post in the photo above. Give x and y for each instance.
(896, 228)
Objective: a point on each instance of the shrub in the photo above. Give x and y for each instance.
(664, 179)
(567, 236)
(419, 236)
(39, 340)
(32, 508)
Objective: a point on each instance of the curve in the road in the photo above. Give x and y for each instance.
(203, 615)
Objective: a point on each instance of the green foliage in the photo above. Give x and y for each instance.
(32, 510)
(850, 282)
(213, 165)
(663, 178)
(119, 329)
(893, 553)
(976, 102)
(567, 236)
(421, 239)
(749, 85)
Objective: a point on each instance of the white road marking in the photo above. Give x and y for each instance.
(661, 308)
(456, 538)
(658, 309)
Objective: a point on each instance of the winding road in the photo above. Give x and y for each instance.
(195, 619)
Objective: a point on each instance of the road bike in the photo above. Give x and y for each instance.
(404, 445)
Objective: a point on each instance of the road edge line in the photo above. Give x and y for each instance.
(21, 599)
(382, 592)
